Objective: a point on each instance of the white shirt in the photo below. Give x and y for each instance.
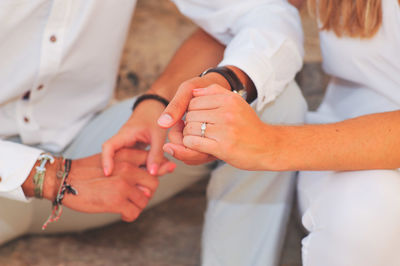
(67, 53)
(365, 72)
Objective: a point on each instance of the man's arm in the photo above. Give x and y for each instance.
(121, 193)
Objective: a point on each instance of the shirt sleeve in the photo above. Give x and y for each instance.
(16, 162)
(264, 38)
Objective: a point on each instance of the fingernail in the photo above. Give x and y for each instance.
(153, 169)
(172, 167)
(105, 169)
(169, 151)
(165, 120)
(145, 190)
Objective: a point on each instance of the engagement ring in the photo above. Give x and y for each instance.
(203, 129)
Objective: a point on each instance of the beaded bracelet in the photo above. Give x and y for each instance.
(38, 178)
(64, 187)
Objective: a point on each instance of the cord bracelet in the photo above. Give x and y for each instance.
(145, 97)
(65, 187)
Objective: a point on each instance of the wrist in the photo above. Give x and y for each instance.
(51, 182)
(273, 158)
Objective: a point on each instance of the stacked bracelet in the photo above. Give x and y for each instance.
(145, 97)
(65, 187)
(38, 178)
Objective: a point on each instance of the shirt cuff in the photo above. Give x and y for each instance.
(16, 163)
(259, 72)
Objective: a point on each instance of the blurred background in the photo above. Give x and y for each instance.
(168, 234)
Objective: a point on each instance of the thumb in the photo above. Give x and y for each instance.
(177, 107)
(156, 154)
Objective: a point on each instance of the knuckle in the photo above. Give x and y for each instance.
(187, 85)
(154, 182)
(229, 118)
(124, 167)
(214, 86)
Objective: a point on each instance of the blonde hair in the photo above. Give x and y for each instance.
(353, 18)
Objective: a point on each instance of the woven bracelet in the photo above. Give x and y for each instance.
(38, 178)
(64, 187)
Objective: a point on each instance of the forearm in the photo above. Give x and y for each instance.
(367, 142)
(199, 52)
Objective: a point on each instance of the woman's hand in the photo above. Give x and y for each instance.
(141, 128)
(234, 133)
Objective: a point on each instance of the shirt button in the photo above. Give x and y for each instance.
(40, 87)
(26, 95)
(26, 119)
(0, 179)
(53, 38)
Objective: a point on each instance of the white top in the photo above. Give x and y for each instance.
(67, 53)
(366, 73)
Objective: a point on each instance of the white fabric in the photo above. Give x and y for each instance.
(69, 79)
(264, 39)
(353, 217)
(247, 211)
(66, 53)
(366, 73)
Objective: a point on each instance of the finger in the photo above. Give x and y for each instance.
(133, 156)
(130, 212)
(208, 116)
(134, 175)
(175, 134)
(177, 107)
(206, 102)
(204, 145)
(137, 197)
(166, 168)
(194, 129)
(184, 154)
(156, 154)
(211, 90)
(108, 150)
(144, 190)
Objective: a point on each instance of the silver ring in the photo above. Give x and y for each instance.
(203, 129)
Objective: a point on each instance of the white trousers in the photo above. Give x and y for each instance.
(353, 218)
(247, 211)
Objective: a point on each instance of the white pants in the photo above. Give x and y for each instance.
(353, 217)
(247, 211)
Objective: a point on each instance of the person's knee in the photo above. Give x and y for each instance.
(359, 217)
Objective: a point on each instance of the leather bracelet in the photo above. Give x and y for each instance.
(145, 97)
(229, 75)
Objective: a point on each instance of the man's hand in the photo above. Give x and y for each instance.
(140, 128)
(123, 192)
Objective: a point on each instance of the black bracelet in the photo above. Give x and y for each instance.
(150, 97)
(229, 75)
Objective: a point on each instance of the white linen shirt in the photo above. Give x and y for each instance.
(66, 55)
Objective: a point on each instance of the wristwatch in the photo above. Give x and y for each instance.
(230, 76)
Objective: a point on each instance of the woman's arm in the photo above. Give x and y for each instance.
(236, 135)
(366, 142)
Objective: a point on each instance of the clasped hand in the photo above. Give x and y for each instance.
(234, 133)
